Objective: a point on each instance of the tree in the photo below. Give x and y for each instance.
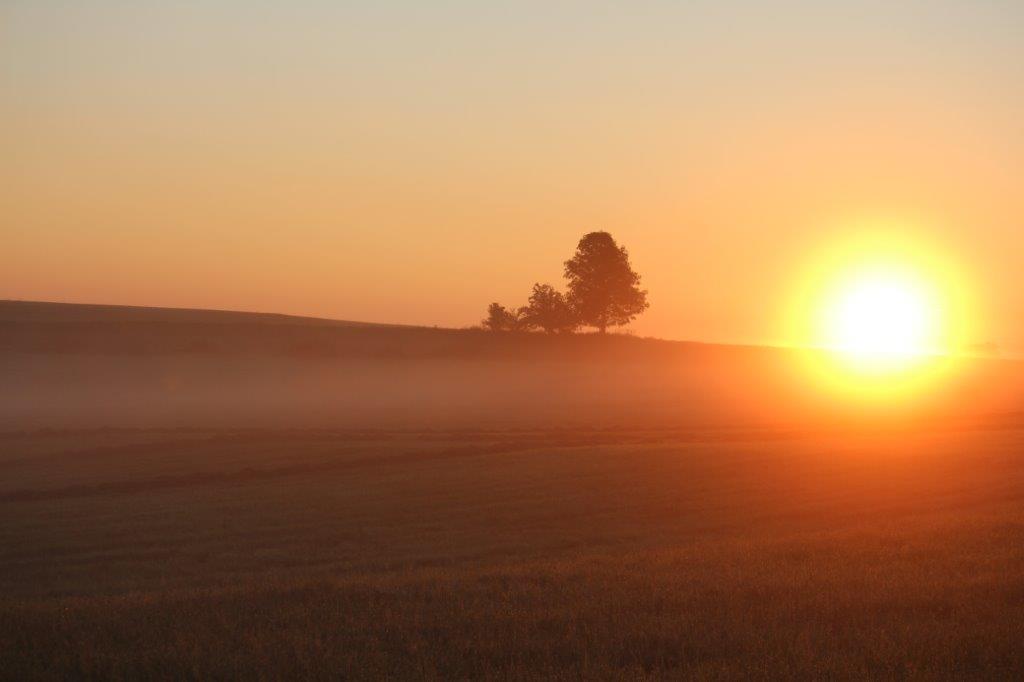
(603, 288)
(548, 310)
(501, 319)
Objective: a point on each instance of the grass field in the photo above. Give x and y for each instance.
(515, 554)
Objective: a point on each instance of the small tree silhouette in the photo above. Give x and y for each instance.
(548, 310)
(603, 288)
(501, 319)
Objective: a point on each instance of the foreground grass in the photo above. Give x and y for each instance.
(518, 555)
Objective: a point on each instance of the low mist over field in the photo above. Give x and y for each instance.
(197, 493)
(107, 366)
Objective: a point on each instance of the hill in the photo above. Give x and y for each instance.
(68, 364)
(37, 327)
(40, 327)
(43, 312)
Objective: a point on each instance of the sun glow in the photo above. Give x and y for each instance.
(885, 312)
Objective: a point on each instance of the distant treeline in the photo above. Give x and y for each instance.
(603, 291)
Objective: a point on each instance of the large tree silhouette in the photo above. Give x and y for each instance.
(604, 290)
(548, 310)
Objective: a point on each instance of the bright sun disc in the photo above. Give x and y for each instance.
(882, 315)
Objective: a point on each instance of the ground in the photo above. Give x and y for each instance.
(841, 552)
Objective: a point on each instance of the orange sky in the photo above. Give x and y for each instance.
(389, 162)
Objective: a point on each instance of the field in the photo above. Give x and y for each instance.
(216, 495)
(516, 554)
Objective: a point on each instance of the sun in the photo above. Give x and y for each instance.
(883, 314)
(882, 294)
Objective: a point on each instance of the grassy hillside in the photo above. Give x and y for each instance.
(77, 313)
(37, 327)
(632, 554)
(113, 366)
(31, 327)
(88, 366)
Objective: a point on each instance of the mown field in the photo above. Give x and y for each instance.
(516, 554)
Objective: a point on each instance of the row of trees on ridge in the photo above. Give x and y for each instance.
(602, 291)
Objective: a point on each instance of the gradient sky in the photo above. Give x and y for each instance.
(413, 161)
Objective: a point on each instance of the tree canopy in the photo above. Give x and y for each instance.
(604, 290)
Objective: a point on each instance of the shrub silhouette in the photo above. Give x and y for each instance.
(548, 310)
(603, 288)
(501, 319)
